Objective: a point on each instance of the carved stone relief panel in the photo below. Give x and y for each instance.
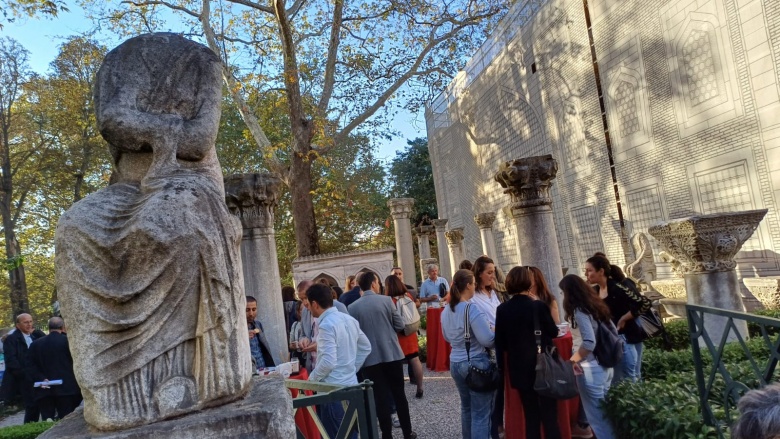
(701, 63)
(644, 207)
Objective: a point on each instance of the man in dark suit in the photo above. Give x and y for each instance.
(380, 321)
(49, 359)
(16, 348)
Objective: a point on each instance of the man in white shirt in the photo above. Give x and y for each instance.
(433, 288)
(341, 350)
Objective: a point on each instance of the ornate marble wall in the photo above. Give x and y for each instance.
(691, 103)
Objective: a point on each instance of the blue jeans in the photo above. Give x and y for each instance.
(593, 385)
(627, 369)
(475, 407)
(331, 415)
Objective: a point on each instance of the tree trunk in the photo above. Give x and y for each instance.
(306, 239)
(19, 302)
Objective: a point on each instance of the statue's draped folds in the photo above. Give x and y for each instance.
(148, 269)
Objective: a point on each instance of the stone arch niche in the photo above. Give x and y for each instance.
(335, 267)
(327, 279)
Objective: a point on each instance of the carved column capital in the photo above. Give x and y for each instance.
(707, 243)
(528, 180)
(454, 236)
(253, 198)
(485, 220)
(440, 224)
(401, 208)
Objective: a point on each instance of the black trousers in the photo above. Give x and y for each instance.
(388, 379)
(57, 407)
(31, 411)
(540, 411)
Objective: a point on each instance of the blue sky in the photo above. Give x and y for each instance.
(42, 38)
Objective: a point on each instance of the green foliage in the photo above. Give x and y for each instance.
(26, 431)
(755, 330)
(422, 344)
(412, 177)
(655, 409)
(677, 331)
(423, 320)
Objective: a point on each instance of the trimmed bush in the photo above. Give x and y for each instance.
(755, 331)
(656, 409)
(26, 431)
(422, 345)
(678, 335)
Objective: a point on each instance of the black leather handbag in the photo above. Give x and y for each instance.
(554, 376)
(479, 380)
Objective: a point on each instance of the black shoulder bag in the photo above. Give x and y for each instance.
(554, 376)
(479, 380)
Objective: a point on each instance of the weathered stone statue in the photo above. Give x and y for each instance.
(148, 269)
(643, 267)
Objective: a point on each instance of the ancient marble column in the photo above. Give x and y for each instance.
(705, 247)
(455, 244)
(401, 210)
(528, 181)
(424, 241)
(445, 265)
(485, 221)
(253, 198)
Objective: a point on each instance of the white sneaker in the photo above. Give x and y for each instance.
(396, 422)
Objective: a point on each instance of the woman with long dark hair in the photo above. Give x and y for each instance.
(540, 291)
(396, 289)
(515, 326)
(624, 305)
(487, 299)
(585, 310)
(475, 407)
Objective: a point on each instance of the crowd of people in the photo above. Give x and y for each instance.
(343, 338)
(489, 319)
(39, 370)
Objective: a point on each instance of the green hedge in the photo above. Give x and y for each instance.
(422, 344)
(678, 335)
(26, 431)
(755, 331)
(666, 404)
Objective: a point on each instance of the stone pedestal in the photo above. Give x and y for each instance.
(446, 269)
(765, 289)
(424, 241)
(455, 244)
(705, 247)
(266, 412)
(485, 222)
(528, 182)
(401, 210)
(671, 288)
(253, 198)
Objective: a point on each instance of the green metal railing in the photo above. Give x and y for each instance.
(719, 388)
(358, 403)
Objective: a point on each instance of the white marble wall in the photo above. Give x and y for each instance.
(693, 110)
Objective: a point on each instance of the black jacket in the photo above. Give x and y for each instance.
(49, 358)
(515, 337)
(16, 352)
(620, 300)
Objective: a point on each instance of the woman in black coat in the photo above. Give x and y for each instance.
(515, 336)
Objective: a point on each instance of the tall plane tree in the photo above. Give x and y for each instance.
(13, 73)
(343, 66)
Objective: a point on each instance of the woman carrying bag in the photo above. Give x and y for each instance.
(515, 337)
(624, 306)
(586, 311)
(475, 406)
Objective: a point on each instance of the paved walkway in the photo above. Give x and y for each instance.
(437, 414)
